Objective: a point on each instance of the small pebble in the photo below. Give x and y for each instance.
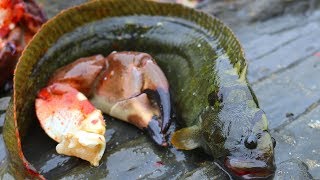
(289, 114)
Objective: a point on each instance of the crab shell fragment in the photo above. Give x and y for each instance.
(74, 122)
(182, 40)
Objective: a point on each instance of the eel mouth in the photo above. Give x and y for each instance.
(249, 168)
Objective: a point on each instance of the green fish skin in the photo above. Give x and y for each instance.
(232, 128)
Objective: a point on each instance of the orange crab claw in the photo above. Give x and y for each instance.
(124, 92)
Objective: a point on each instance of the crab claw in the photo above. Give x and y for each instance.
(134, 89)
(69, 118)
(156, 87)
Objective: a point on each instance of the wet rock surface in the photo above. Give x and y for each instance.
(299, 139)
(207, 170)
(280, 42)
(258, 10)
(292, 169)
(4, 102)
(129, 155)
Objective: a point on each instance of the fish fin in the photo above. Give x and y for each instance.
(187, 138)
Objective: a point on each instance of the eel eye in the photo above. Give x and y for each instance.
(250, 142)
(274, 142)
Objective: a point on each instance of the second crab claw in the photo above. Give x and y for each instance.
(134, 89)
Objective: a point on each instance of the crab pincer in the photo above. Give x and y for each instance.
(134, 89)
(126, 85)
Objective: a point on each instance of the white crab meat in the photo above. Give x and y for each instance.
(69, 118)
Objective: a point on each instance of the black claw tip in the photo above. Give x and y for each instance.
(154, 130)
(162, 98)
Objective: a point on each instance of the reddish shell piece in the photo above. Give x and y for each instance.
(19, 21)
(61, 97)
(13, 12)
(66, 115)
